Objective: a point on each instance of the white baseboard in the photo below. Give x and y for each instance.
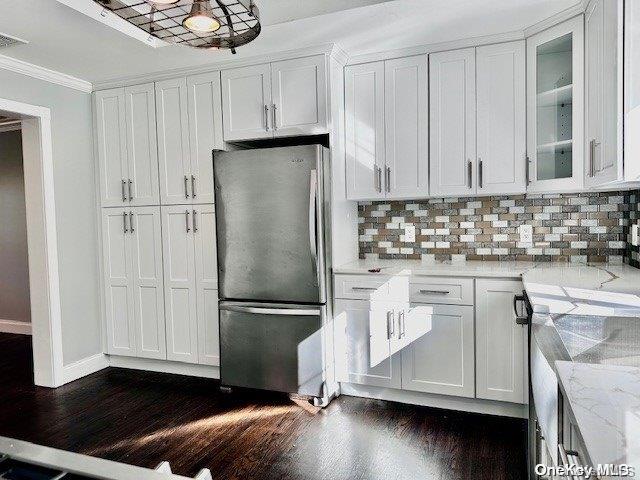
(12, 326)
(84, 367)
(165, 366)
(474, 405)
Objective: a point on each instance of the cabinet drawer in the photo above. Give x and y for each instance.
(443, 290)
(372, 287)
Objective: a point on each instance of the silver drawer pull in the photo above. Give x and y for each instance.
(364, 289)
(435, 292)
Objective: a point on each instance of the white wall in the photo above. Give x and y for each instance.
(14, 266)
(71, 124)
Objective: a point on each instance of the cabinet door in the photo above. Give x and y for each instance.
(501, 117)
(631, 91)
(364, 123)
(147, 282)
(246, 103)
(500, 342)
(118, 298)
(452, 77)
(299, 90)
(142, 150)
(363, 344)
(205, 132)
(442, 360)
(406, 127)
(112, 147)
(206, 262)
(180, 284)
(603, 71)
(555, 107)
(173, 142)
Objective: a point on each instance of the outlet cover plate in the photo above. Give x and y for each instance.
(526, 234)
(410, 233)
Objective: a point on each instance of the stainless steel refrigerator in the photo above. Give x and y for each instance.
(271, 210)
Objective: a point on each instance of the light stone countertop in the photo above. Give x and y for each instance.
(605, 403)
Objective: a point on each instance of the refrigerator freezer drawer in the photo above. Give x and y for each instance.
(272, 347)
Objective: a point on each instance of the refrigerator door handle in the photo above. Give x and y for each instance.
(272, 311)
(313, 241)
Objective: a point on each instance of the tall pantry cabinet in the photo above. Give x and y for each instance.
(154, 144)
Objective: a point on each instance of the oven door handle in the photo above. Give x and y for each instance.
(272, 311)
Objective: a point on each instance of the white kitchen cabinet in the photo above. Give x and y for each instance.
(299, 96)
(500, 342)
(386, 108)
(501, 119)
(190, 271)
(205, 132)
(603, 85)
(364, 123)
(442, 359)
(134, 295)
(452, 145)
(555, 107)
(176, 182)
(406, 117)
(631, 103)
(277, 99)
(365, 343)
(127, 150)
(246, 102)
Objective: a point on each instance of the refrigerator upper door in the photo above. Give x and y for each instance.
(269, 223)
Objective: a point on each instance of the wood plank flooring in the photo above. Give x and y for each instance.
(143, 418)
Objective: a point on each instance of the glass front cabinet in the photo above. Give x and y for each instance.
(555, 108)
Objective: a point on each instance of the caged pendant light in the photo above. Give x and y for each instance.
(207, 24)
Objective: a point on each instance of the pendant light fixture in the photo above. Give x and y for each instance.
(201, 18)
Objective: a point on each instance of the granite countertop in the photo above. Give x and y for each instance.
(605, 403)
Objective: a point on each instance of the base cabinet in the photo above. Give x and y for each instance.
(500, 342)
(441, 360)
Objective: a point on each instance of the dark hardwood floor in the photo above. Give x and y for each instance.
(143, 418)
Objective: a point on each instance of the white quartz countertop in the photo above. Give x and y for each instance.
(605, 401)
(553, 288)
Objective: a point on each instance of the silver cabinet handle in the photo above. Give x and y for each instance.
(527, 165)
(401, 325)
(130, 190)
(186, 220)
(379, 176)
(387, 179)
(131, 222)
(435, 292)
(195, 223)
(470, 173)
(480, 172)
(193, 186)
(391, 329)
(274, 123)
(364, 289)
(591, 153)
(186, 187)
(376, 178)
(124, 222)
(124, 185)
(266, 118)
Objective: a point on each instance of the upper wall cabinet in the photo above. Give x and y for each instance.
(127, 152)
(275, 100)
(555, 107)
(189, 128)
(478, 134)
(631, 91)
(387, 129)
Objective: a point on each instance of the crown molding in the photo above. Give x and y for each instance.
(42, 73)
(324, 49)
(578, 9)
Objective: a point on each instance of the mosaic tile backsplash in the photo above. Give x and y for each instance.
(581, 227)
(633, 253)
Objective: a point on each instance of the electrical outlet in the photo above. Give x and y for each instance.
(526, 234)
(409, 233)
(635, 240)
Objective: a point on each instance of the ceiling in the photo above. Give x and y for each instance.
(75, 44)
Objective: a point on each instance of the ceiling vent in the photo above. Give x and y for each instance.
(8, 40)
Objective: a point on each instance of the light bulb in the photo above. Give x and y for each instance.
(201, 19)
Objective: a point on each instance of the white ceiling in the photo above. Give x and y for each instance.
(65, 40)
